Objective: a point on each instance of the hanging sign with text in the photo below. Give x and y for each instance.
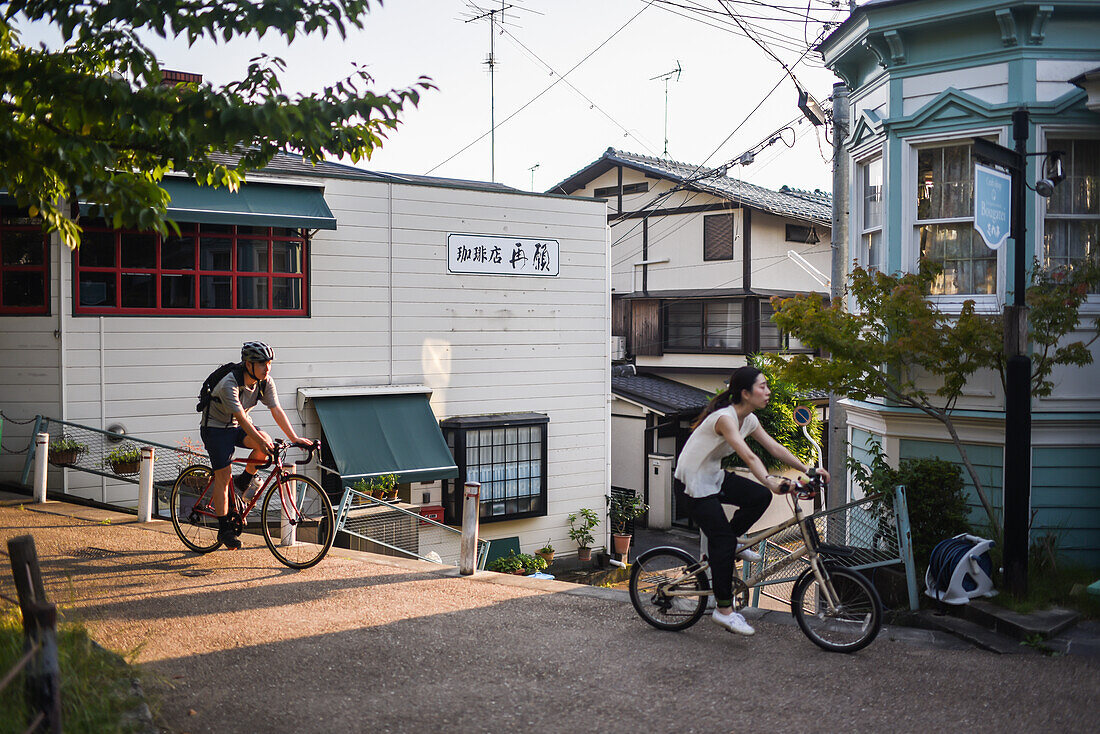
(992, 204)
(482, 254)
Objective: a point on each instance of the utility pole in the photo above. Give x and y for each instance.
(666, 77)
(838, 416)
(491, 62)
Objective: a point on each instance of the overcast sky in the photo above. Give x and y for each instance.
(609, 99)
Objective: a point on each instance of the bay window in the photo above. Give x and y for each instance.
(871, 254)
(1071, 225)
(945, 222)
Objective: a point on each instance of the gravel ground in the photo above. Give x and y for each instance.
(234, 642)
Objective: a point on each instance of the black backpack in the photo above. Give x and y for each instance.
(206, 393)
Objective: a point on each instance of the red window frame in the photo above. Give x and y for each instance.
(202, 277)
(6, 268)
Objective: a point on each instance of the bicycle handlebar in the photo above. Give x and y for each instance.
(311, 447)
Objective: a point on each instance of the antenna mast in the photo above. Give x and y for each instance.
(666, 77)
(491, 63)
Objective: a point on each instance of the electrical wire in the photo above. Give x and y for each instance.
(544, 91)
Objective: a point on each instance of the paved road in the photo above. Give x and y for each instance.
(233, 642)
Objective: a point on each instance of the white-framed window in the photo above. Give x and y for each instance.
(871, 252)
(944, 223)
(1071, 216)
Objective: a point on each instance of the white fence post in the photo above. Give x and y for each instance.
(145, 485)
(471, 507)
(41, 453)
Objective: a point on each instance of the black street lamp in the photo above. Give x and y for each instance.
(1017, 457)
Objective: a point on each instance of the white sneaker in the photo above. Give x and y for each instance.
(747, 554)
(732, 622)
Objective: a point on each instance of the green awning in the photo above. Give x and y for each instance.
(371, 435)
(255, 204)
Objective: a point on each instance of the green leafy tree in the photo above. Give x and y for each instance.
(778, 420)
(93, 120)
(897, 345)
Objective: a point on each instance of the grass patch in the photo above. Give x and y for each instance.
(1060, 587)
(95, 683)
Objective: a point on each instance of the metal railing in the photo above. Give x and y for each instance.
(877, 534)
(389, 526)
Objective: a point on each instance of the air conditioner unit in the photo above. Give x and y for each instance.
(618, 347)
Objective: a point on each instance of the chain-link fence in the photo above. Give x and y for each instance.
(379, 526)
(868, 529)
(118, 458)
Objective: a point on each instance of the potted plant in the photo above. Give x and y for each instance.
(65, 451)
(622, 509)
(546, 553)
(126, 459)
(581, 524)
(532, 564)
(510, 563)
(383, 487)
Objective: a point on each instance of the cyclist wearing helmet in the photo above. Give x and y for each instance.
(719, 431)
(226, 425)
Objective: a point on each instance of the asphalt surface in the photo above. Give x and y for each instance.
(234, 642)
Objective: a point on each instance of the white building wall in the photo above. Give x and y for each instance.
(384, 309)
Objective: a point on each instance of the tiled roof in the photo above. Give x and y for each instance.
(295, 165)
(814, 206)
(664, 396)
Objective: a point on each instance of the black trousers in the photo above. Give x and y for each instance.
(752, 499)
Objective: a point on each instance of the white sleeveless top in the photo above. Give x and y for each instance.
(700, 464)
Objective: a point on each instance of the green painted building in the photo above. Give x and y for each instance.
(926, 77)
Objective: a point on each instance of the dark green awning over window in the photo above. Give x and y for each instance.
(255, 204)
(371, 435)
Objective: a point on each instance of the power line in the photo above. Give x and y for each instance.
(544, 91)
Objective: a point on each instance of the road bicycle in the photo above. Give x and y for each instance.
(836, 607)
(296, 515)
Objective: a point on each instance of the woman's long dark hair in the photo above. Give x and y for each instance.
(743, 378)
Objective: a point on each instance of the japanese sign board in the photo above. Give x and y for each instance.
(482, 254)
(992, 204)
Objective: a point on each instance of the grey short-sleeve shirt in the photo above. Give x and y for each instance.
(228, 398)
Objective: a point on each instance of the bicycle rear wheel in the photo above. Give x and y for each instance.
(193, 514)
(650, 581)
(858, 616)
(298, 522)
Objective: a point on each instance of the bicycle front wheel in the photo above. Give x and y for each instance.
(193, 514)
(298, 523)
(657, 577)
(854, 623)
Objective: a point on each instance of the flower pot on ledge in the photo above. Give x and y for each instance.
(584, 554)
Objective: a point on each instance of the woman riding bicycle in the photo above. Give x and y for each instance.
(723, 425)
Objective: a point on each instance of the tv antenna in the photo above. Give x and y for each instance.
(532, 170)
(667, 76)
(491, 62)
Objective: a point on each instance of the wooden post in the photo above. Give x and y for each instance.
(41, 453)
(43, 673)
(43, 676)
(145, 485)
(471, 507)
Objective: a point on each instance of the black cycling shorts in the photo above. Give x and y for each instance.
(220, 444)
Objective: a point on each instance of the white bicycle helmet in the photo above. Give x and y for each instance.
(256, 352)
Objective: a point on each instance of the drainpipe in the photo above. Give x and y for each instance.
(389, 261)
(838, 416)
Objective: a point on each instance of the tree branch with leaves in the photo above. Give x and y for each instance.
(94, 122)
(896, 345)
